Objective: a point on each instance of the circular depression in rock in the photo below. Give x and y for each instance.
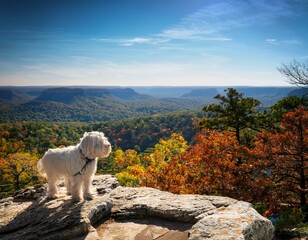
(143, 229)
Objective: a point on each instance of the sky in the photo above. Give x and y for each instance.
(150, 42)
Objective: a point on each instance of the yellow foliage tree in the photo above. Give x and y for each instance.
(130, 164)
(161, 159)
(125, 159)
(145, 169)
(18, 169)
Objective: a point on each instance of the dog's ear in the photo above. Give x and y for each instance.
(84, 134)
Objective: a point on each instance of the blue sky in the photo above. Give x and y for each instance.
(150, 42)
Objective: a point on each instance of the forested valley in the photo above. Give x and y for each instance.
(232, 147)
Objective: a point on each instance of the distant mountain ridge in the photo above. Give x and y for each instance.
(65, 95)
(206, 92)
(11, 95)
(156, 91)
(299, 92)
(91, 104)
(69, 95)
(67, 104)
(195, 91)
(265, 91)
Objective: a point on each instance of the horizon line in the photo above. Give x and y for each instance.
(146, 86)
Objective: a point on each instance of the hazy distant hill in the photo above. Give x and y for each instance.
(10, 95)
(165, 92)
(90, 104)
(299, 92)
(64, 95)
(265, 91)
(267, 95)
(262, 93)
(206, 92)
(69, 95)
(126, 93)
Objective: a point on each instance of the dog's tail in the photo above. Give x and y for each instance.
(40, 168)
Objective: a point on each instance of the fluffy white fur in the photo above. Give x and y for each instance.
(71, 164)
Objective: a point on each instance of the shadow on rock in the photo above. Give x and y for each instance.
(44, 219)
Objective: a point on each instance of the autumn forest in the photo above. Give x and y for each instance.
(233, 147)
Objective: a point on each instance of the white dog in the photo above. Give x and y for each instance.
(76, 164)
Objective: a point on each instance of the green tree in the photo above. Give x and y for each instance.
(233, 112)
(272, 117)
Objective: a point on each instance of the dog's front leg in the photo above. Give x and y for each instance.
(87, 182)
(76, 188)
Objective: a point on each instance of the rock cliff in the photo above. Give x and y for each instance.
(129, 213)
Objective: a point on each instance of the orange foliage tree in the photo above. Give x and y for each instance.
(207, 167)
(212, 162)
(283, 157)
(274, 170)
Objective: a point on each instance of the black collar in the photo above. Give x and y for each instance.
(88, 160)
(84, 156)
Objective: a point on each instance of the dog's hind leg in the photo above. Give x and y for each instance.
(68, 184)
(76, 188)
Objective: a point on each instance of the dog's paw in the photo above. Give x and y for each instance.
(76, 199)
(53, 196)
(88, 196)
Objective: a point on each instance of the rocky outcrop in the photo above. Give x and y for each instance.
(129, 213)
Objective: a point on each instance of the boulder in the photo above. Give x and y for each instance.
(129, 213)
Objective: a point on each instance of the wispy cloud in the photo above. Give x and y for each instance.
(277, 42)
(213, 21)
(272, 41)
(132, 41)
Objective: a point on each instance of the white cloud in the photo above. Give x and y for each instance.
(276, 42)
(131, 41)
(212, 21)
(271, 41)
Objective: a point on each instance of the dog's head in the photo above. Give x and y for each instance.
(95, 144)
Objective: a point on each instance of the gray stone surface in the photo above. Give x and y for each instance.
(129, 213)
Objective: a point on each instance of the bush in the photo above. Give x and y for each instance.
(260, 208)
(127, 180)
(290, 218)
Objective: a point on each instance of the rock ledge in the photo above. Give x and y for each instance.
(129, 213)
